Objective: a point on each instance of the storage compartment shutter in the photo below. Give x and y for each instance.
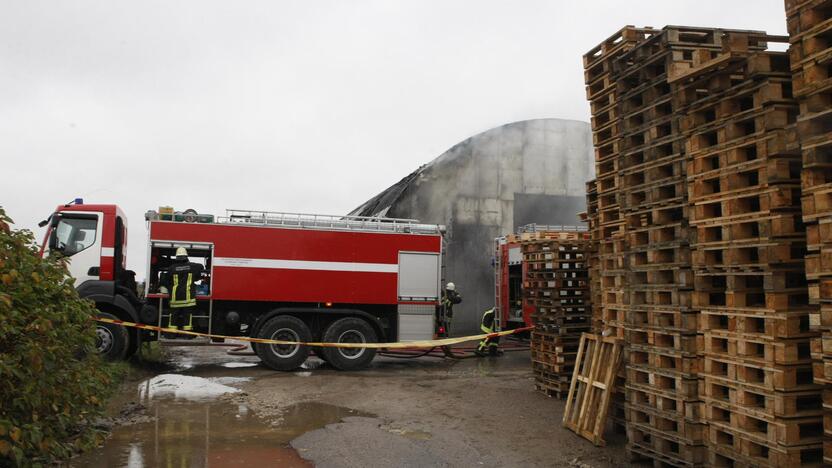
(418, 276)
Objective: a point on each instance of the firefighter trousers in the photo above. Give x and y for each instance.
(182, 317)
(488, 345)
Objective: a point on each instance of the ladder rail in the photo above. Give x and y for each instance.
(533, 227)
(310, 220)
(498, 277)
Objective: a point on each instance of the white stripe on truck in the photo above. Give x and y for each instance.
(305, 265)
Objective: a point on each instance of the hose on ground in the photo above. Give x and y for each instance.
(400, 355)
(238, 349)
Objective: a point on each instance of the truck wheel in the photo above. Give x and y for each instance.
(111, 340)
(349, 330)
(283, 357)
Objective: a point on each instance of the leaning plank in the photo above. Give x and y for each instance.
(591, 388)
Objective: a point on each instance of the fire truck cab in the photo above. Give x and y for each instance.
(282, 276)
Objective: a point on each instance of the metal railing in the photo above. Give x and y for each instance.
(317, 221)
(549, 227)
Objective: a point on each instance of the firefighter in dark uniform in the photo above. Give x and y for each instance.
(450, 297)
(488, 346)
(180, 281)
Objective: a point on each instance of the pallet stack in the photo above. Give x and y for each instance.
(743, 180)
(663, 420)
(608, 234)
(702, 251)
(602, 93)
(810, 35)
(593, 261)
(556, 283)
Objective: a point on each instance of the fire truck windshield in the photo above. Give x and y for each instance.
(73, 234)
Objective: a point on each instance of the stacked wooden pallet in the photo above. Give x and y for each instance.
(701, 245)
(593, 261)
(556, 283)
(663, 418)
(602, 93)
(809, 24)
(608, 231)
(761, 406)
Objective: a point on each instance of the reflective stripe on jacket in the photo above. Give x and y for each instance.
(487, 323)
(182, 287)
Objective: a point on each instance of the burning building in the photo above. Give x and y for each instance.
(488, 185)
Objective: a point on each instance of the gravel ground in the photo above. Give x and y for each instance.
(430, 412)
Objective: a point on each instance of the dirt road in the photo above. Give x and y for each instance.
(212, 409)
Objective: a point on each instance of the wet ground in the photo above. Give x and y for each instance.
(208, 408)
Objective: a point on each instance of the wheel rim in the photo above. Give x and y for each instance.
(351, 336)
(103, 339)
(285, 351)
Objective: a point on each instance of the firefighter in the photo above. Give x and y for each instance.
(488, 346)
(180, 281)
(450, 297)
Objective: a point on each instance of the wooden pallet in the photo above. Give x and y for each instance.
(730, 444)
(686, 431)
(759, 351)
(765, 429)
(756, 402)
(591, 388)
(662, 380)
(669, 403)
(652, 444)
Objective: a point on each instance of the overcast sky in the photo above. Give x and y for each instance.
(310, 106)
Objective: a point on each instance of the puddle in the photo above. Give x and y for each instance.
(191, 434)
(186, 387)
(301, 418)
(237, 364)
(187, 425)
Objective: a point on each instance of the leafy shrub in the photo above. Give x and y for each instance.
(52, 382)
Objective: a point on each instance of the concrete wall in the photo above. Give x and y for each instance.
(486, 186)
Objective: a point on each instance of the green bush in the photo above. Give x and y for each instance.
(52, 382)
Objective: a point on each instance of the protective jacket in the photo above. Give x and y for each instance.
(487, 322)
(180, 282)
(489, 345)
(449, 298)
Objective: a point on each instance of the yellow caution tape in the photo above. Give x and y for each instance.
(399, 345)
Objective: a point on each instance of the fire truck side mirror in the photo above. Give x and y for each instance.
(53, 242)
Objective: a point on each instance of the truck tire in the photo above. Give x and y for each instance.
(283, 357)
(349, 330)
(111, 341)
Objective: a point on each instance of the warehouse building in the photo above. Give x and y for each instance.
(531, 171)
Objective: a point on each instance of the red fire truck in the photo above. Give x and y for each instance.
(510, 306)
(282, 276)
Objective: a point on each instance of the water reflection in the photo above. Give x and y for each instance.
(189, 426)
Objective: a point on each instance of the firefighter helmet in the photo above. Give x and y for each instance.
(450, 287)
(181, 252)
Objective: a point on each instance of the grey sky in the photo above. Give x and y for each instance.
(311, 106)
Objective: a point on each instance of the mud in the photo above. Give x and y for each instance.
(431, 412)
(208, 408)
